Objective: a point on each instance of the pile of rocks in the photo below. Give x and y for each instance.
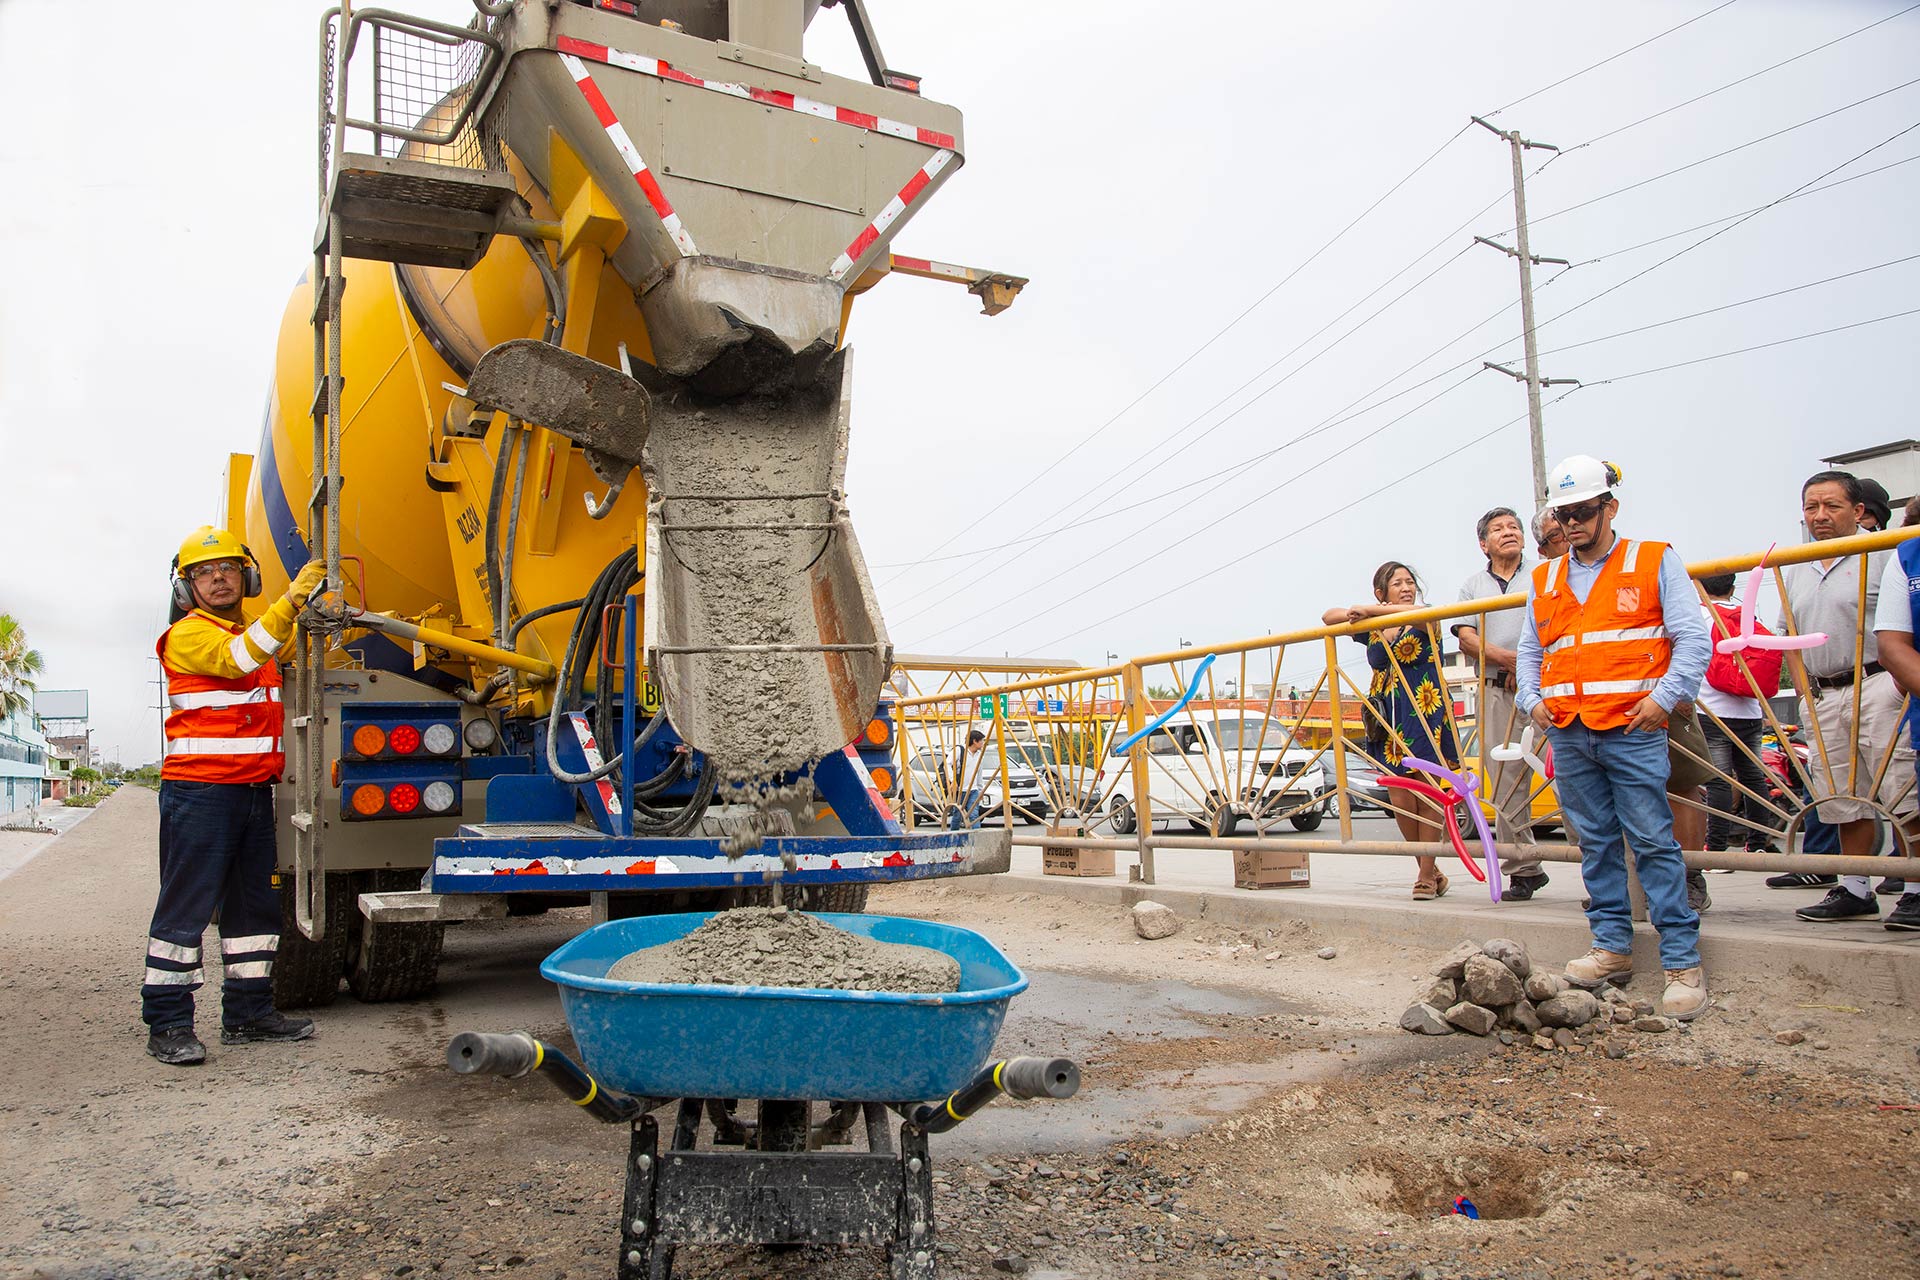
(1484, 989)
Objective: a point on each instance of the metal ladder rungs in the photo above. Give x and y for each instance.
(328, 291)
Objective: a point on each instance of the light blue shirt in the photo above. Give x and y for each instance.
(1680, 610)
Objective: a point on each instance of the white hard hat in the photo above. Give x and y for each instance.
(1580, 477)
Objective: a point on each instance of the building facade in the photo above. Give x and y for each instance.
(23, 762)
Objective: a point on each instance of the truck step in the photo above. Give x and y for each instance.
(393, 209)
(527, 831)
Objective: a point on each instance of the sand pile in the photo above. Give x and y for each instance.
(778, 947)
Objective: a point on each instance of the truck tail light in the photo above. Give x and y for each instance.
(882, 778)
(404, 739)
(404, 798)
(368, 799)
(438, 797)
(369, 740)
(879, 732)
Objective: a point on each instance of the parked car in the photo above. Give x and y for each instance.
(1214, 773)
(938, 797)
(1365, 792)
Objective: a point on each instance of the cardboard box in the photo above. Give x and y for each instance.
(1263, 869)
(1068, 861)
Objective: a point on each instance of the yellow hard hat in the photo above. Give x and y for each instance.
(209, 543)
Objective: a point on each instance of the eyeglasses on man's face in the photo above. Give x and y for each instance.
(1581, 514)
(214, 568)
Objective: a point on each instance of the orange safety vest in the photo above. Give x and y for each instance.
(1599, 659)
(222, 730)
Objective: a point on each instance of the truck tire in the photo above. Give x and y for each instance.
(1222, 821)
(391, 961)
(1308, 821)
(1120, 815)
(306, 974)
(850, 898)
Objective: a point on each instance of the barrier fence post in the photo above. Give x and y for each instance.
(1133, 689)
(1338, 728)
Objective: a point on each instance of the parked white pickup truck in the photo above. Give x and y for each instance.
(1214, 773)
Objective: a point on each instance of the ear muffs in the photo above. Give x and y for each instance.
(250, 585)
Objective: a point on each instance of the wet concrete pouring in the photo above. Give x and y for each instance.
(1248, 1109)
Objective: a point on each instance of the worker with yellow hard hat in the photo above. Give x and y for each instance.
(223, 754)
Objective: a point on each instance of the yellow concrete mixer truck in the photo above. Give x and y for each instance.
(564, 405)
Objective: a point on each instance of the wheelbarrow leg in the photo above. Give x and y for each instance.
(639, 1258)
(910, 1256)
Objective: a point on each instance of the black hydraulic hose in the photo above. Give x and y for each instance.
(514, 1054)
(544, 611)
(1020, 1078)
(496, 494)
(580, 644)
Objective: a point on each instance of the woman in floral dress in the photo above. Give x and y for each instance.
(1407, 707)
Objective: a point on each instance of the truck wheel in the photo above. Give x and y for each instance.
(1309, 821)
(1120, 816)
(307, 973)
(1222, 821)
(392, 961)
(850, 898)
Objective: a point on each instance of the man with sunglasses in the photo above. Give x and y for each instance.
(223, 735)
(1612, 642)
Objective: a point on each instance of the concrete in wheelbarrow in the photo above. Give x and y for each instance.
(1750, 929)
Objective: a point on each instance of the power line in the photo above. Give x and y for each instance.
(1403, 478)
(1763, 346)
(1753, 75)
(1097, 431)
(1694, 164)
(1613, 58)
(1714, 222)
(1296, 532)
(1728, 306)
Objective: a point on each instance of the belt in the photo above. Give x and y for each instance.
(1845, 678)
(1501, 678)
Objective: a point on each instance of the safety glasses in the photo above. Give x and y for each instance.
(1580, 514)
(209, 568)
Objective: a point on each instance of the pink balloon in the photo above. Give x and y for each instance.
(1747, 639)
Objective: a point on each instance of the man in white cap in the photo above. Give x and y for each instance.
(1613, 641)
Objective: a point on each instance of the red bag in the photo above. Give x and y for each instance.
(1724, 673)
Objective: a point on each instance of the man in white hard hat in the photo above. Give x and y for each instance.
(1613, 642)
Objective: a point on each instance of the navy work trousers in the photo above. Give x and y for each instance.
(216, 853)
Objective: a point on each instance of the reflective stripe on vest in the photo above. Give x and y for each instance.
(222, 729)
(1601, 657)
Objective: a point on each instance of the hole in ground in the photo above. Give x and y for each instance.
(1501, 1184)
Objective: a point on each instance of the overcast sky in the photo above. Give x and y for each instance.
(1162, 181)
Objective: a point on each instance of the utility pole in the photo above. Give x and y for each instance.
(1527, 261)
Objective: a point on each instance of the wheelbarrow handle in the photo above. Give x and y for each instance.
(1020, 1078)
(516, 1053)
(510, 1054)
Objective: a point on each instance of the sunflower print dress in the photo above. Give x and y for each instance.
(1409, 706)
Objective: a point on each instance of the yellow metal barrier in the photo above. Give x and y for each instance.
(1258, 759)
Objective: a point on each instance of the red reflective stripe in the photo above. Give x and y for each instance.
(933, 137)
(655, 196)
(602, 109)
(568, 44)
(860, 119)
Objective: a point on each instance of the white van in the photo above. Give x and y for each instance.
(1190, 764)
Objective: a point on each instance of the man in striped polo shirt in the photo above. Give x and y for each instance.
(223, 753)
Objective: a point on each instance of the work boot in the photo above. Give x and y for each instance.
(1520, 888)
(177, 1047)
(1905, 914)
(1598, 967)
(1686, 995)
(275, 1026)
(1697, 896)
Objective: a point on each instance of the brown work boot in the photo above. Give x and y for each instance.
(1598, 967)
(1686, 994)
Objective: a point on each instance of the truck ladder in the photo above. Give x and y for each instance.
(431, 191)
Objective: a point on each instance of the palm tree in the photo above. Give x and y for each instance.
(18, 667)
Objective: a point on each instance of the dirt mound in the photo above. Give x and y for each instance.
(777, 947)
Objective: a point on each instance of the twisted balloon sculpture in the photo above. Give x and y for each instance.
(1746, 639)
(1466, 793)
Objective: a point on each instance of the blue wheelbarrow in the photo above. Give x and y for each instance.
(770, 1180)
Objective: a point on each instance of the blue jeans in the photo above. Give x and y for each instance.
(1613, 785)
(216, 853)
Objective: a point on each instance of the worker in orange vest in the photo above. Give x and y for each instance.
(223, 754)
(1613, 641)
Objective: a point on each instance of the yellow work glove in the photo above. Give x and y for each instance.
(307, 582)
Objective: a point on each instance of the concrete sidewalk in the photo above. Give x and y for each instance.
(1750, 928)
